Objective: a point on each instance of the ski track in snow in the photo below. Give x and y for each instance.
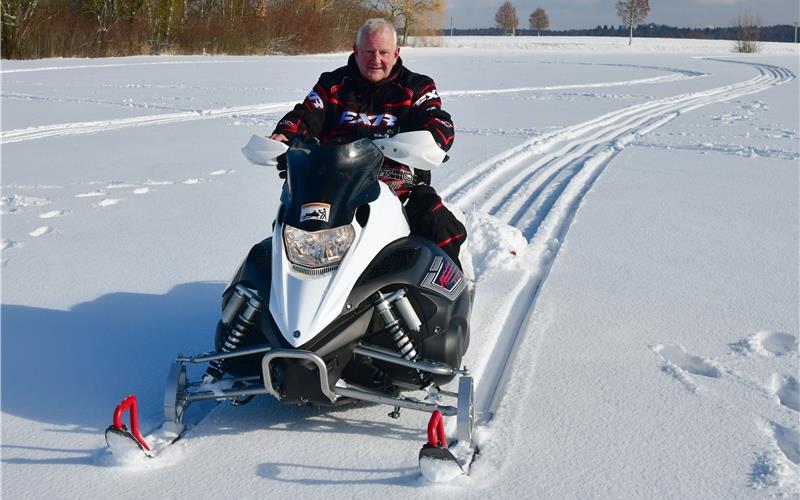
(117, 65)
(538, 187)
(62, 129)
(91, 127)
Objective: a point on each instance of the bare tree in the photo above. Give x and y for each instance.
(17, 16)
(506, 18)
(632, 12)
(748, 32)
(539, 20)
(413, 14)
(107, 13)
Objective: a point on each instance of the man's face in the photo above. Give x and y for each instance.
(376, 55)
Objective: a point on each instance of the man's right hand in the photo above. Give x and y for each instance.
(282, 166)
(279, 137)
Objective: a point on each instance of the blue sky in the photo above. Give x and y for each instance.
(565, 14)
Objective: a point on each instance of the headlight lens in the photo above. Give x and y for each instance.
(314, 249)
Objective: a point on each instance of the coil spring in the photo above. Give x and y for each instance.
(393, 326)
(239, 316)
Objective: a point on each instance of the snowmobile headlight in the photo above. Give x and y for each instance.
(315, 249)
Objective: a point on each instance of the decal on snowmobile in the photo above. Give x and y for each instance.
(315, 211)
(444, 277)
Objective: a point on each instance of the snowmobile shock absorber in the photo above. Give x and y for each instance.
(240, 315)
(383, 305)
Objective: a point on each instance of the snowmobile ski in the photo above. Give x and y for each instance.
(439, 463)
(129, 444)
(436, 462)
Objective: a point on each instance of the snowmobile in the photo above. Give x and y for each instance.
(341, 303)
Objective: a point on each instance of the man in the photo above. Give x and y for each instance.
(376, 96)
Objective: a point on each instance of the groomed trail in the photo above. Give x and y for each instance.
(538, 186)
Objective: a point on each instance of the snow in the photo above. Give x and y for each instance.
(634, 237)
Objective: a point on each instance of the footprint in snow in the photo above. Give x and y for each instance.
(107, 202)
(221, 172)
(680, 364)
(91, 194)
(767, 343)
(120, 185)
(787, 440)
(6, 244)
(777, 468)
(41, 231)
(53, 213)
(787, 390)
(17, 203)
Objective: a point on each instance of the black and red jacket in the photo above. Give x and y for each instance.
(343, 106)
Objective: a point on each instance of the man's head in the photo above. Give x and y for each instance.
(376, 49)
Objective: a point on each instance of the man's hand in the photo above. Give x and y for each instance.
(282, 158)
(279, 137)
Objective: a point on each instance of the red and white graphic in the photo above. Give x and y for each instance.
(445, 278)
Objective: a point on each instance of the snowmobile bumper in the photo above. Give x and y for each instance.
(179, 392)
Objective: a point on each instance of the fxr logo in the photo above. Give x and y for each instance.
(315, 100)
(430, 95)
(353, 118)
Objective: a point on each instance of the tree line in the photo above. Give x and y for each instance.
(776, 33)
(94, 28)
(632, 12)
(747, 30)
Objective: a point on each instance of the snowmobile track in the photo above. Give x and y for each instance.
(539, 185)
(177, 116)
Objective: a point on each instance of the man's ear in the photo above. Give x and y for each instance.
(355, 48)
(397, 51)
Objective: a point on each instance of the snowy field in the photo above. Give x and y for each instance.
(633, 217)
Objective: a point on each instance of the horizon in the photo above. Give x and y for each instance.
(588, 14)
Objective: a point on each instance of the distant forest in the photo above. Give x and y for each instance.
(778, 33)
(99, 28)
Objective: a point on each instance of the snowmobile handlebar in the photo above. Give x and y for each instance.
(416, 149)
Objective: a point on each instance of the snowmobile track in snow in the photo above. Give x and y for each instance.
(176, 116)
(538, 187)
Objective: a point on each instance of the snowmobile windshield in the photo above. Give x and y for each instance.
(327, 183)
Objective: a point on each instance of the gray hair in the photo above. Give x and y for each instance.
(375, 25)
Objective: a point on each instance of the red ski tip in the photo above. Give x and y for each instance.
(129, 403)
(436, 462)
(436, 437)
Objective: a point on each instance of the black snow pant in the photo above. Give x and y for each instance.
(429, 218)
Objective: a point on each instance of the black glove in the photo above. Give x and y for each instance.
(422, 176)
(282, 166)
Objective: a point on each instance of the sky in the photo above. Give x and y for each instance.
(567, 14)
